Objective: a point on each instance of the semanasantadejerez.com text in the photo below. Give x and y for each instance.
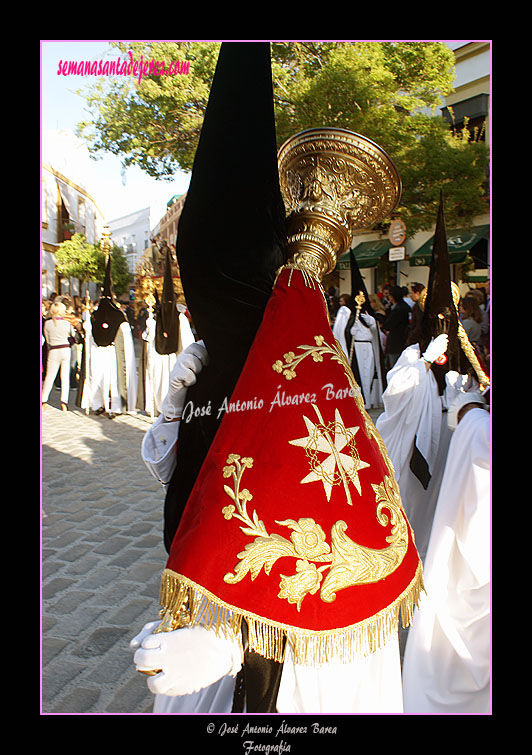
(137, 68)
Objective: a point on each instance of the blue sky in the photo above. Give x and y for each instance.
(62, 108)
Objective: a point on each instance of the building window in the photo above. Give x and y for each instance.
(44, 204)
(475, 110)
(81, 216)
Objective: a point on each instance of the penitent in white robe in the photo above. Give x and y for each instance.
(366, 346)
(446, 665)
(103, 388)
(159, 366)
(415, 414)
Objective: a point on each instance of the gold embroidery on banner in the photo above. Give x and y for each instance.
(288, 367)
(348, 562)
(331, 439)
(337, 355)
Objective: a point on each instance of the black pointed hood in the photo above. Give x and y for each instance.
(108, 317)
(440, 309)
(231, 231)
(167, 325)
(357, 284)
(230, 243)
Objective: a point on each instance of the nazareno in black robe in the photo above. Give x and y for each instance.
(230, 244)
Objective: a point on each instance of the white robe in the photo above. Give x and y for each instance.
(447, 658)
(102, 371)
(159, 366)
(413, 414)
(367, 353)
(367, 685)
(339, 326)
(86, 397)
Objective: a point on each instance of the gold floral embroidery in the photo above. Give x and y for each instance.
(291, 361)
(306, 581)
(308, 538)
(348, 563)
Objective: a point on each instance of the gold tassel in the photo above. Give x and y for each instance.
(187, 604)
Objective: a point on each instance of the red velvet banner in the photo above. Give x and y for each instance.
(295, 518)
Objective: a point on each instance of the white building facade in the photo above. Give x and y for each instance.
(67, 207)
(132, 234)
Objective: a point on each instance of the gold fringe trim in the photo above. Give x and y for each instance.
(186, 603)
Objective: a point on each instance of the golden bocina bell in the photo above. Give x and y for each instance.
(334, 182)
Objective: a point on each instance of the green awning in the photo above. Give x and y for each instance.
(367, 254)
(458, 243)
(478, 276)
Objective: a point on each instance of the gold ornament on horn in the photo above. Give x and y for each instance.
(334, 182)
(359, 301)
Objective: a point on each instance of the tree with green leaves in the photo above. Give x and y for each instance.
(390, 92)
(77, 258)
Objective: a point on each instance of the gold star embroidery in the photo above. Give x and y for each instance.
(332, 439)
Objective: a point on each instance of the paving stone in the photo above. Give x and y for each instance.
(76, 624)
(75, 553)
(114, 665)
(66, 538)
(102, 559)
(51, 647)
(145, 570)
(56, 586)
(127, 557)
(82, 566)
(99, 642)
(112, 545)
(98, 578)
(80, 700)
(138, 529)
(68, 603)
(128, 614)
(57, 676)
(51, 567)
(132, 697)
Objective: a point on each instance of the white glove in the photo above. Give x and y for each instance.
(184, 374)
(191, 658)
(368, 319)
(149, 329)
(436, 348)
(147, 629)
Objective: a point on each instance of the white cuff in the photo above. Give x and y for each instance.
(158, 449)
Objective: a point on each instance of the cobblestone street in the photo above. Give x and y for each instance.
(102, 558)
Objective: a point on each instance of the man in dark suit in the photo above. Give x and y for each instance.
(396, 326)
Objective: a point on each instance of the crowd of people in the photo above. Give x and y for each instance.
(395, 314)
(458, 472)
(396, 311)
(66, 331)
